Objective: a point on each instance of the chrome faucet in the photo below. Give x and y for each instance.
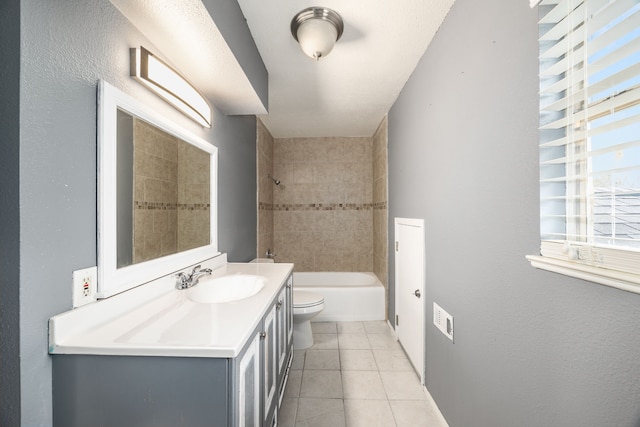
(186, 281)
(270, 254)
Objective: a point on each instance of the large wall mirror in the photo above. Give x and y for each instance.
(156, 197)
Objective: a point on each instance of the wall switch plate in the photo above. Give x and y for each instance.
(85, 282)
(443, 321)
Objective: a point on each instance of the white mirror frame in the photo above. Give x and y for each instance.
(113, 280)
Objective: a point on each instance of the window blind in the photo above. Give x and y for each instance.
(590, 132)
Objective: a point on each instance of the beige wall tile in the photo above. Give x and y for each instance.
(284, 172)
(143, 164)
(358, 148)
(303, 173)
(380, 218)
(264, 152)
(337, 173)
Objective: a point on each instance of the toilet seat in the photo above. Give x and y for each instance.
(305, 299)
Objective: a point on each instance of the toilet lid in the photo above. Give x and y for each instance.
(306, 299)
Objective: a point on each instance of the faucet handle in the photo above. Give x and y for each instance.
(182, 281)
(195, 269)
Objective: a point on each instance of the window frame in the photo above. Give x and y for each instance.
(614, 266)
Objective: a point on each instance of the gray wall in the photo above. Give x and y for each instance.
(48, 164)
(237, 188)
(9, 213)
(532, 348)
(235, 30)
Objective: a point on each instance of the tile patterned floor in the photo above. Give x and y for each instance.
(355, 375)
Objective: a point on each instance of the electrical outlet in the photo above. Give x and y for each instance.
(85, 282)
(443, 321)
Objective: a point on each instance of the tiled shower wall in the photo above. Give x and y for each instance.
(194, 197)
(171, 194)
(155, 195)
(329, 212)
(380, 178)
(323, 208)
(265, 189)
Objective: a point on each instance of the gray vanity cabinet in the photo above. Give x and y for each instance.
(137, 391)
(270, 363)
(278, 352)
(247, 367)
(285, 328)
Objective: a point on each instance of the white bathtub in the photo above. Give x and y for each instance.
(347, 296)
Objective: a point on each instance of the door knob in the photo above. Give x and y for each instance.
(417, 293)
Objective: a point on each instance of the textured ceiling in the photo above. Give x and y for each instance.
(345, 94)
(192, 43)
(348, 92)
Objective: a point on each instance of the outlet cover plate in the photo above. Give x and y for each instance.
(85, 284)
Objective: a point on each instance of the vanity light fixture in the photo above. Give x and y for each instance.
(160, 78)
(317, 29)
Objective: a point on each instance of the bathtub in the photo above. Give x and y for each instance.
(347, 296)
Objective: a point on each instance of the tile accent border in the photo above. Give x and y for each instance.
(321, 206)
(160, 206)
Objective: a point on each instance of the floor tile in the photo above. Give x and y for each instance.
(325, 341)
(362, 385)
(392, 360)
(294, 382)
(324, 327)
(320, 413)
(355, 375)
(351, 328)
(353, 341)
(325, 384)
(298, 360)
(322, 359)
(368, 413)
(414, 413)
(287, 412)
(357, 360)
(377, 327)
(402, 385)
(383, 341)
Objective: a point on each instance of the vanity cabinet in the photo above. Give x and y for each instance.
(285, 329)
(136, 391)
(248, 384)
(270, 363)
(278, 352)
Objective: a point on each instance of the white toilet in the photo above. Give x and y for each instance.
(306, 306)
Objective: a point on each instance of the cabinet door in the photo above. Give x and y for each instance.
(289, 287)
(270, 358)
(281, 327)
(249, 385)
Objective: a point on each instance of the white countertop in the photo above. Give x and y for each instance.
(161, 321)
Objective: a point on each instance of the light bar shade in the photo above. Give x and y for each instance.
(170, 85)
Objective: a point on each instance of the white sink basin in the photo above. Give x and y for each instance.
(234, 287)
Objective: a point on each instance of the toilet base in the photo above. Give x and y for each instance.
(302, 335)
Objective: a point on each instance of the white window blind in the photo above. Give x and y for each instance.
(590, 137)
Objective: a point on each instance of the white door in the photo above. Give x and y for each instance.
(409, 282)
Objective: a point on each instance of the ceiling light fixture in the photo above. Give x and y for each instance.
(170, 85)
(317, 29)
